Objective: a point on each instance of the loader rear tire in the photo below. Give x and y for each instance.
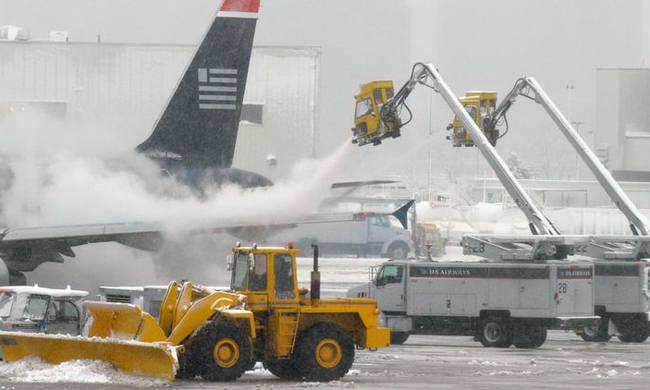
(283, 369)
(324, 352)
(219, 352)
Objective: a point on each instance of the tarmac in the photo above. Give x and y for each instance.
(444, 362)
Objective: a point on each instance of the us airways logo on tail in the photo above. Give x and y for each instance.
(217, 89)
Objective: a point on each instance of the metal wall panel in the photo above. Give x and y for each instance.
(623, 121)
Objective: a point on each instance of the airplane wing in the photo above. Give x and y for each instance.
(24, 249)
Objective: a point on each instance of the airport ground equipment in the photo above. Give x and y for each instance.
(366, 234)
(621, 275)
(500, 304)
(44, 310)
(218, 335)
(430, 240)
(390, 124)
(546, 244)
(622, 301)
(368, 126)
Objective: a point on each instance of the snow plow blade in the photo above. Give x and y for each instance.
(147, 359)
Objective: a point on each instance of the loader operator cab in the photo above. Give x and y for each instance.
(266, 276)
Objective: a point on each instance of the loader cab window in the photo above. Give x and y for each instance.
(249, 274)
(389, 274)
(239, 272)
(364, 107)
(257, 276)
(284, 285)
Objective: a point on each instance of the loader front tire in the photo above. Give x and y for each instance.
(219, 352)
(325, 352)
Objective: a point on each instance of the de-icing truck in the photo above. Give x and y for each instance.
(523, 286)
(621, 273)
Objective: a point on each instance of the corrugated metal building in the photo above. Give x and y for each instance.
(622, 136)
(123, 88)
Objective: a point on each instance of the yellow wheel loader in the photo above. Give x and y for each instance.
(218, 335)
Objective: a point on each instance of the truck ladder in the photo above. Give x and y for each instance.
(538, 222)
(530, 88)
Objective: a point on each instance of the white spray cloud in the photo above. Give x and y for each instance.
(64, 174)
(68, 176)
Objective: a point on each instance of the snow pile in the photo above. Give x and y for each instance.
(486, 363)
(355, 372)
(259, 370)
(34, 370)
(336, 384)
(508, 373)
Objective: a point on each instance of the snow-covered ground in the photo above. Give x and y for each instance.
(33, 370)
(563, 362)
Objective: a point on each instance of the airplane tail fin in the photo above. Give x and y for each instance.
(402, 213)
(199, 125)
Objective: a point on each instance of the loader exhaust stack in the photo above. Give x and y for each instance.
(315, 278)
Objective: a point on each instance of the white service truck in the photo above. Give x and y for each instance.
(369, 234)
(500, 304)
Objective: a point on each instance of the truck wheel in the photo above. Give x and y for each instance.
(529, 336)
(398, 250)
(219, 352)
(495, 332)
(634, 330)
(324, 353)
(600, 334)
(283, 369)
(398, 338)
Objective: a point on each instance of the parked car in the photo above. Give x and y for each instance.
(39, 309)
